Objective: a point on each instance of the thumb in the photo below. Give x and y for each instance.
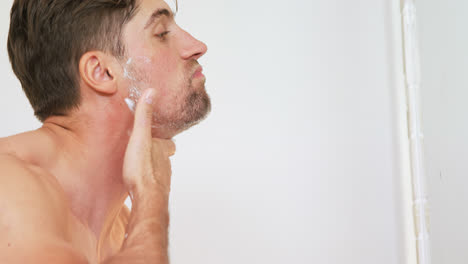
(141, 133)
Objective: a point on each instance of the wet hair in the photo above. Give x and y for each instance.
(47, 39)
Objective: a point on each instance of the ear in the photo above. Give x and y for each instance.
(96, 71)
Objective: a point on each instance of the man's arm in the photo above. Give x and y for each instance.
(147, 174)
(31, 217)
(147, 233)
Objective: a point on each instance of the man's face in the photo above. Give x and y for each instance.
(161, 55)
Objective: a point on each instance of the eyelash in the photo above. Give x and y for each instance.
(162, 35)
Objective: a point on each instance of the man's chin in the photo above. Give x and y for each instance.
(169, 133)
(171, 129)
(196, 109)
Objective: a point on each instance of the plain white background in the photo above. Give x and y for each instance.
(444, 57)
(296, 163)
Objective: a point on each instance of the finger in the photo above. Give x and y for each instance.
(143, 118)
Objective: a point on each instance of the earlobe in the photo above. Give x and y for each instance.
(95, 72)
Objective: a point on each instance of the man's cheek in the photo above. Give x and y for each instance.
(164, 108)
(165, 62)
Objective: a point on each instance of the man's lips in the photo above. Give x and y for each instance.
(198, 72)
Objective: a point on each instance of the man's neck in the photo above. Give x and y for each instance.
(89, 166)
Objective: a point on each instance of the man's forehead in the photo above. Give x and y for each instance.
(153, 4)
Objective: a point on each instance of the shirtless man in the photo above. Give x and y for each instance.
(112, 81)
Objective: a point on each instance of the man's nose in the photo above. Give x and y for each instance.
(191, 48)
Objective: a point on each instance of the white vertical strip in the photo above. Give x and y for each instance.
(413, 80)
(403, 155)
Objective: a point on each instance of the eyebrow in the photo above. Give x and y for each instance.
(157, 14)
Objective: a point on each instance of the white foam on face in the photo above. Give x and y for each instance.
(130, 104)
(136, 87)
(126, 73)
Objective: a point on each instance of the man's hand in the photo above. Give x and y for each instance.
(147, 174)
(146, 163)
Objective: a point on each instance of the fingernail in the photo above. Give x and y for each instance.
(149, 97)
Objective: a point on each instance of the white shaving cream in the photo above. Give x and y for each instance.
(136, 87)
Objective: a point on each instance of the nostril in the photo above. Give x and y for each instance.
(199, 54)
(192, 48)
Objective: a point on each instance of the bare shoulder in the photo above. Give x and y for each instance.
(28, 192)
(32, 145)
(33, 214)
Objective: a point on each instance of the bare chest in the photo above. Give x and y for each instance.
(94, 249)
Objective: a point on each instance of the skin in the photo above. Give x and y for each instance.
(63, 186)
(182, 100)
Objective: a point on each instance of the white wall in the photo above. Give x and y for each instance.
(297, 162)
(444, 57)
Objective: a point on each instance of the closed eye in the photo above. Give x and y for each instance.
(162, 35)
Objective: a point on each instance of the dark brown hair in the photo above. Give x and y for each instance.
(47, 39)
